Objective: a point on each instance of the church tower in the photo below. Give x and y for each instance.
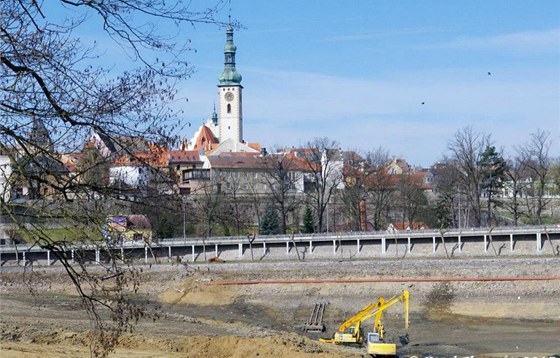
(229, 93)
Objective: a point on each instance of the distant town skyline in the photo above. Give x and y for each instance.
(403, 75)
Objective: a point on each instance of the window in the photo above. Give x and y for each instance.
(229, 108)
(200, 174)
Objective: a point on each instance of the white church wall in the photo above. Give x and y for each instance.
(134, 176)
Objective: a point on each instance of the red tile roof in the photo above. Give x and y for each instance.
(179, 156)
(254, 161)
(206, 140)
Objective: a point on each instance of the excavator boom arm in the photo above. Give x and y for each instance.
(372, 309)
(382, 305)
(358, 317)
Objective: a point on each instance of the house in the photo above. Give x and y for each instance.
(142, 170)
(118, 145)
(5, 178)
(398, 166)
(184, 165)
(127, 228)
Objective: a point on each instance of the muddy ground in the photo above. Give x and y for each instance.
(200, 318)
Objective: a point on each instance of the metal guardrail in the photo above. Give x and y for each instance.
(337, 236)
(353, 235)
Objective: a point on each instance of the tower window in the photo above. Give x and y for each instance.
(229, 108)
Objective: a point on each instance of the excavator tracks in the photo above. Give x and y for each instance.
(315, 321)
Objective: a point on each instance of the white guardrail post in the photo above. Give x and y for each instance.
(511, 242)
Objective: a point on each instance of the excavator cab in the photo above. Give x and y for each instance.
(351, 335)
(376, 346)
(373, 337)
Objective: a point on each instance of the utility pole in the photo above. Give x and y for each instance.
(184, 207)
(328, 217)
(459, 211)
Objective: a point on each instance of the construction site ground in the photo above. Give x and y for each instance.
(200, 316)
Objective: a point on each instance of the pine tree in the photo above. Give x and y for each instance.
(443, 211)
(493, 169)
(270, 223)
(308, 222)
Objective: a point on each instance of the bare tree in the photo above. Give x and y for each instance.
(208, 202)
(55, 93)
(535, 154)
(283, 175)
(516, 186)
(467, 148)
(410, 197)
(235, 199)
(324, 161)
(555, 175)
(354, 195)
(379, 185)
(256, 196)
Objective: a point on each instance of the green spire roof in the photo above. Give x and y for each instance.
(230, 76)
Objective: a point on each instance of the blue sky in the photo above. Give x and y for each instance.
(358, 71)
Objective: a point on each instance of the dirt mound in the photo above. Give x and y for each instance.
(195, 290)
(56, 343)
(285, 345)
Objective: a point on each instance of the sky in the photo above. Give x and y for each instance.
(401, 75)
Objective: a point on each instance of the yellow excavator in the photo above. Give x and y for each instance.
(350, 332)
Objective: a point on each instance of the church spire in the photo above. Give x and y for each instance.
(230, 76)
(215, 116)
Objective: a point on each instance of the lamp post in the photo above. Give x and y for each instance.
(459, 210)
(184, 207)
(328, 216)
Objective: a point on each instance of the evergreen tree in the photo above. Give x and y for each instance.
(163, 227)
(270, 223)
(493, 175)
(308, 222)
(443, 211)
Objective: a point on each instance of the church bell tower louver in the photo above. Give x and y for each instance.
(229, 93)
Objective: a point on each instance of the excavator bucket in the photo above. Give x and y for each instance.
(404, 339)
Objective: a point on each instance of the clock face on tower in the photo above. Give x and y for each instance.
(228, 96)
